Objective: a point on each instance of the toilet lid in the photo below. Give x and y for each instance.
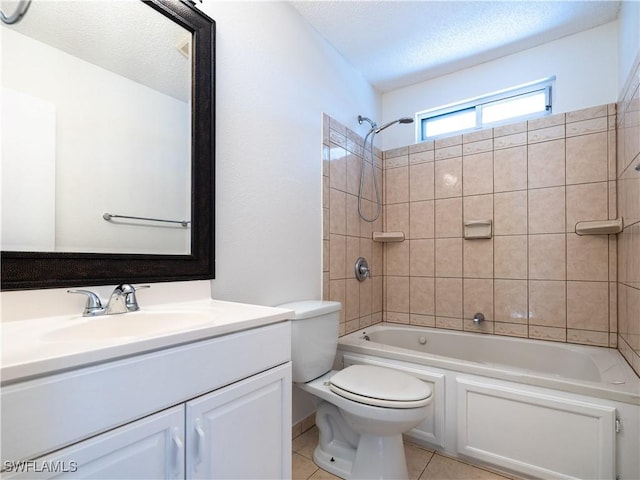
(380, 387)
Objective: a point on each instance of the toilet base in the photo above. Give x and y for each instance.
(344, 453)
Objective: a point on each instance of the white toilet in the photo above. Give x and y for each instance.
(364, 409)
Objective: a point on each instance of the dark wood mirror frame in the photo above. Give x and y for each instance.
(33, 270)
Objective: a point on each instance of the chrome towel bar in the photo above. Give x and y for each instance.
(109, 216)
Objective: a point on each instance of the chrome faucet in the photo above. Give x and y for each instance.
(122, 300)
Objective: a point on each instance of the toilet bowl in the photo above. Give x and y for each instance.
(362, 410)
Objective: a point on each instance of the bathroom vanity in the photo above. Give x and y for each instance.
(210, 400)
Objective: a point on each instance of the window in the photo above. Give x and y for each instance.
(520, 103)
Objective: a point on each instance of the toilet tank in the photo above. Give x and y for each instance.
(314, 337)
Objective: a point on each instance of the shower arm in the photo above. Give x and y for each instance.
(21, 9)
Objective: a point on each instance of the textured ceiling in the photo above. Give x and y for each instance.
(399, 43)
(124, 36)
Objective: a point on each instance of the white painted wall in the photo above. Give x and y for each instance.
(585, 66)
(113, 135)
(629, 39)
(274, 78)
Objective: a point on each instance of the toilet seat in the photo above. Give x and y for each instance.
(380, 387)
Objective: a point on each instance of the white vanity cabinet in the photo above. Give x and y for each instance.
(216, 408)
(150, 448)
(239, 431)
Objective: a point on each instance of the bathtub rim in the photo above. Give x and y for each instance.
(629, 392)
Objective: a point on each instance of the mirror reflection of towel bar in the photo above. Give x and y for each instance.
(109, 216)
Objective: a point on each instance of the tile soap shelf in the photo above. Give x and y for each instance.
(388, 237)
(600, 227)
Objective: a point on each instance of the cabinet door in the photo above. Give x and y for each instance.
(242, 431)
(152, 447)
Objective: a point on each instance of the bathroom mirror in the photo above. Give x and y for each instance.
(132, 136)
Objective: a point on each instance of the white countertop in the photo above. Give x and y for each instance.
(40, 346)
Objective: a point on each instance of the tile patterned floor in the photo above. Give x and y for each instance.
(423, 464)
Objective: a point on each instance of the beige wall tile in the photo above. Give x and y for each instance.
(587, 113)
(448, 297)
(421, 181)
(449, 323)
(546, 122)
(397, 258)
(587, 158)
(511, 301)
(510, 213)
(448, 152)
(629, 195)
(422, 320)
(585, 127)
(471, 148)
(398, 317)
(422, 257)
(547, 303)
(477, 136)
(448, 178)
(545, 134)
(510, 329)
(509, 141)
(448, 141)
(421, 147)
(547, 210)
(547, 258)
(352, 300)
(546, 164)
(510, 129)
(587, 257)
(325, 255)
(422, 295)
(477, 173)
(478, 297)
(396, 185)
(352, 216)
(421, 157)
(477, 207)
(421, 219)
(510, 257)
(377, 294)
(548, 333)
(338, 167)
(337, 211)
(448, 260)
(338, 293)
(365, 288)
(397, 217)
(510, 169)
(588, 306)
(587, 337)
(478, 258)
(448, 213)
(586, 202)
(353, 173)
(612, 160)
(397, 296)
(352, 254)
(337, 256)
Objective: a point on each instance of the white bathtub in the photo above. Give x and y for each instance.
(536, 408)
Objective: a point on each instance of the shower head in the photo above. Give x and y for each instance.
(400, 120)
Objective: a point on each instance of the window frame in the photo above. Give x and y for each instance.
(545, 85)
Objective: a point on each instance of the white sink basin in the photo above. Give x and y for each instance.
(126, 325)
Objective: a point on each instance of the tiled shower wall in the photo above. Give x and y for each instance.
(629, 209)
(535, 278)
(345, 236)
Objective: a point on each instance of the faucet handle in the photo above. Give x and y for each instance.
(129, 291)
(93, 305)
